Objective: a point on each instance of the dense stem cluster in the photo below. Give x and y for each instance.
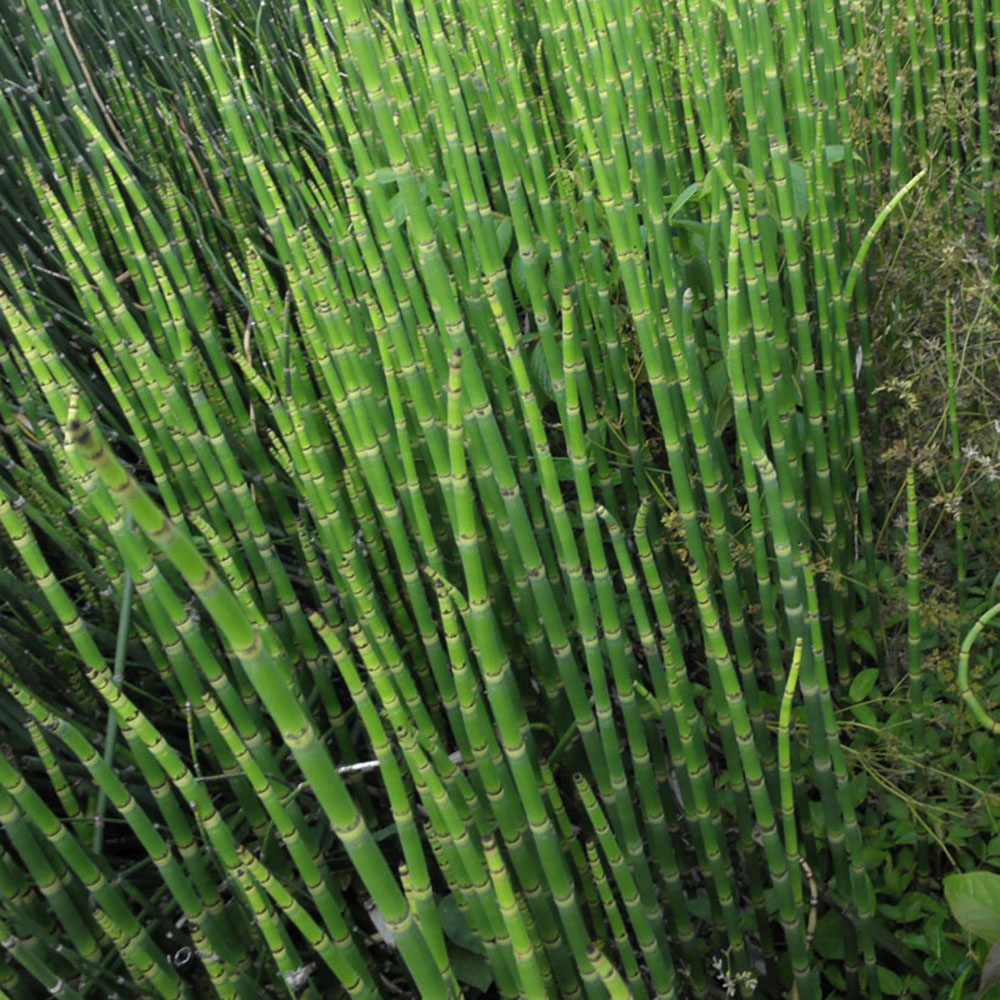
(432, 466)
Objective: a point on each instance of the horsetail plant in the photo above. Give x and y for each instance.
(431, 461)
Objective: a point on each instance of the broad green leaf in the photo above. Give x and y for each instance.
(913, 906)
(866, 893)
(863, 684)
(699, 229)
(817, 815)
(896, 808)
(974, 898)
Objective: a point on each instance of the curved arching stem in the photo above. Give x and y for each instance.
(880, 220)
(964, 688)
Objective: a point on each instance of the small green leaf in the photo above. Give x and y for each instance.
(860, 636)
(700, 907)
(862, 685)
(397, 206)
(505, 234)
(989, 981)
(834, 154)
(564, 469)
(958, 990)
(913, 907)
(865, 715)
(695, 236)
(540, 372)
(858, 789)
(695, 190)
(767, 227)
(597, 434)
(836, 977)
(889, 982)
(724, 413)
(974, 898)
(519, 281)
(385, 175)
(697, 275)
(470, 969)
(800, 188)
(866, 892)
(718, 381)
(454, 924)
(830, 936)
(554, 285)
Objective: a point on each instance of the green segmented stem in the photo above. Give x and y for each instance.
(914, 657)
(526, 958)
(493, 772)
(956, 456)
(26, 951)
(610, 977)
(63, 789)
(268, 678)
(660, 963)
(172, 872)
(507, 710)
(616, 924)
(248, 242)
(398, 797)
(610, 625)
(132, 941)
(346, 973)
(980, 714)
(788, 827)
